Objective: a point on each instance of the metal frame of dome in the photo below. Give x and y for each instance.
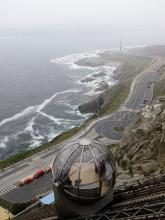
(82, 153)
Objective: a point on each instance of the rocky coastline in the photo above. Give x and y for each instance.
(100, 99)
(127, 67)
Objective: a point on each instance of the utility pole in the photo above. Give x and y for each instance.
(100, 103)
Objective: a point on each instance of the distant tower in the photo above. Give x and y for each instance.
(120, 44)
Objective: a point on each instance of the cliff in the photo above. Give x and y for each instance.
(142, 148)
(102, 100)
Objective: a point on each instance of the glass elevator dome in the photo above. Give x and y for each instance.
(84, 169)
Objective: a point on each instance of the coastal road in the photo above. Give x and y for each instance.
(108, 126)
(113, 126)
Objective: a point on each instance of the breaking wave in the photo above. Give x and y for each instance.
(39, 124)
(36, 109)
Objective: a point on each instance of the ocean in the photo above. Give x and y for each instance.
(41, 88)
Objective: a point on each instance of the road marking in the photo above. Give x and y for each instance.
(7, 189)
(44, 194)
(39, 164)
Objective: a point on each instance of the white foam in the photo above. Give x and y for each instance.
(25, 112)
(35, 109)
(35, 144)
(53, 134)
(70, 60)
(29, 128)
(62, 102)
(74, 57)
(47, 101)
(6, 139)
(3, 142)
(108, 77)
(56, 120)
(72, 112)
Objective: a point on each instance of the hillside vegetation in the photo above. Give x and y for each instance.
(159, 87)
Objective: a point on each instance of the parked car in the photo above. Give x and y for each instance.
(47, 169)
(28, 180)
(38, 174)
(20, 183)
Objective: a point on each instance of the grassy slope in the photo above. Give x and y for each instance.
(13, 208)
(130, 68)
(159, 87)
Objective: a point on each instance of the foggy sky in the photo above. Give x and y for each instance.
(82, 13)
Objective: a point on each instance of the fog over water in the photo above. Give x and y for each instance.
(38, 100)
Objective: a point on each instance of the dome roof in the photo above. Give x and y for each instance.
(84, 168)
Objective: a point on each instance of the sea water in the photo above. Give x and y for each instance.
(41, 88)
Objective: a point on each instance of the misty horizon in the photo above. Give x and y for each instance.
(137, 22)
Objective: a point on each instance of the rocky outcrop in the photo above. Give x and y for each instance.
(88, 79)
(102, 100)
(142, 149)
(102, 86)
(99, 74)
(105, 58)
(90, 61)
(93, 105)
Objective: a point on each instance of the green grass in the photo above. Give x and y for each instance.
(159, 88)
(14, 208)
(162, 69)
(121, 93)
(133, 66)
(130, 68)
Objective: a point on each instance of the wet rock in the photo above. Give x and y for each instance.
(92, 106)
(88, 79)
(99, 74)
(102, 86)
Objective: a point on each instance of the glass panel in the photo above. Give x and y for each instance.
(85, 169)
(89, 174)
(72, 163)
(106, 186)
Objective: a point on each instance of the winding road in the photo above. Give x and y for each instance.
(110, 126)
